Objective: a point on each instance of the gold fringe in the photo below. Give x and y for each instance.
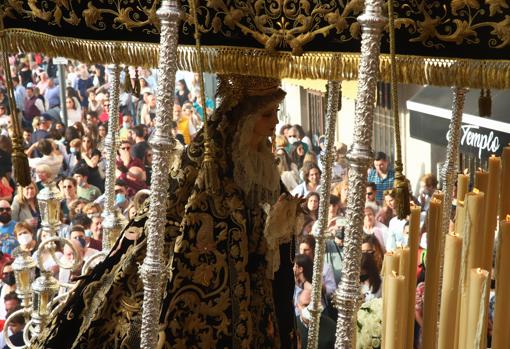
(259, 62)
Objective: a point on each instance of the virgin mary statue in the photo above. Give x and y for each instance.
(230, 282)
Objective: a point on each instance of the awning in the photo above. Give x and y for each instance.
(430, 113)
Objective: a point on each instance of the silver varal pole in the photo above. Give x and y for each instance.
(62, 91)
(360, 155)
(162, 143)
(315, 307)
(111, 224)
(449, 171)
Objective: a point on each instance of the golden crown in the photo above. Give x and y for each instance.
(249, 85)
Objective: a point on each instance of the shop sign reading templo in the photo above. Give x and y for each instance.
(476, 140)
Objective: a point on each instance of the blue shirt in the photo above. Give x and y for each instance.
(209, 104)
(382, 184)
(7, 238)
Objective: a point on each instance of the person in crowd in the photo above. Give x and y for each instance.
(5, 154)
(101, 136)
(74, 112)
(121, 195)
(372, 246)
(32, 106)
(43, 83)
(11, 304)
(94, 105)
(371, 193)
(51, 156)
(126, 126)
(384, 215)
(52, 95)
(428, 185)
(370, 279)
(135, 180)
(83, 84)
(197, 106)
(90, 158)
(139, 149)
(5, 120)
(47, 260)
(43, 175)
(307, 247)
(336, 218)
(25, 207)
(312, 178)
(148, 112)
(148, 166)
(105, 115)
(340, 166)
(284, 130)
(297, 153)
(16, 327)
(303, 270)
(312, 205)
(68, 258)
(92, 209)
(300, 132)
(293, 135)
(9, 285)
(24, 233)
(27, 137)
(381, 175)
(389, 201)
(6, 186)
(96, 228)
(85, 190)
(7, 238)
(184, 122)
(289, 172)
(42, 128)
(73, 157)
(124, 159)
(372, 227)
(334, 253)
(182, 95)
(19, 94)
(92, 246)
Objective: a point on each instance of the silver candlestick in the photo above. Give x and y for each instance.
(348, 295)
(162, 144)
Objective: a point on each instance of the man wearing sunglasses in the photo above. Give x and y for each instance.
(7, 238)
(371, 194)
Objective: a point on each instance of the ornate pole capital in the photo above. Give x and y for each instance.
(348, 295)
(152, 270)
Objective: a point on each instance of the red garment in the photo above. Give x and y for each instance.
(133, 186)
(5, 190)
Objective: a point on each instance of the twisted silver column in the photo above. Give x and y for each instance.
(162, 142)
(109, 214)
(315, 307)
(360, 155)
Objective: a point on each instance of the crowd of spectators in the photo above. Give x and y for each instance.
(69, 149)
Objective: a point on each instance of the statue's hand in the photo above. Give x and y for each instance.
(296, 200)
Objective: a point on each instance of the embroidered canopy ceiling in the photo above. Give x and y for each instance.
(439, 42)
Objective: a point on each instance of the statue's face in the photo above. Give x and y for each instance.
(266, 122)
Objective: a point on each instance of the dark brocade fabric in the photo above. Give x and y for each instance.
(216, 294)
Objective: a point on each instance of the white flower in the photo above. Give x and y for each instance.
(369, 325)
